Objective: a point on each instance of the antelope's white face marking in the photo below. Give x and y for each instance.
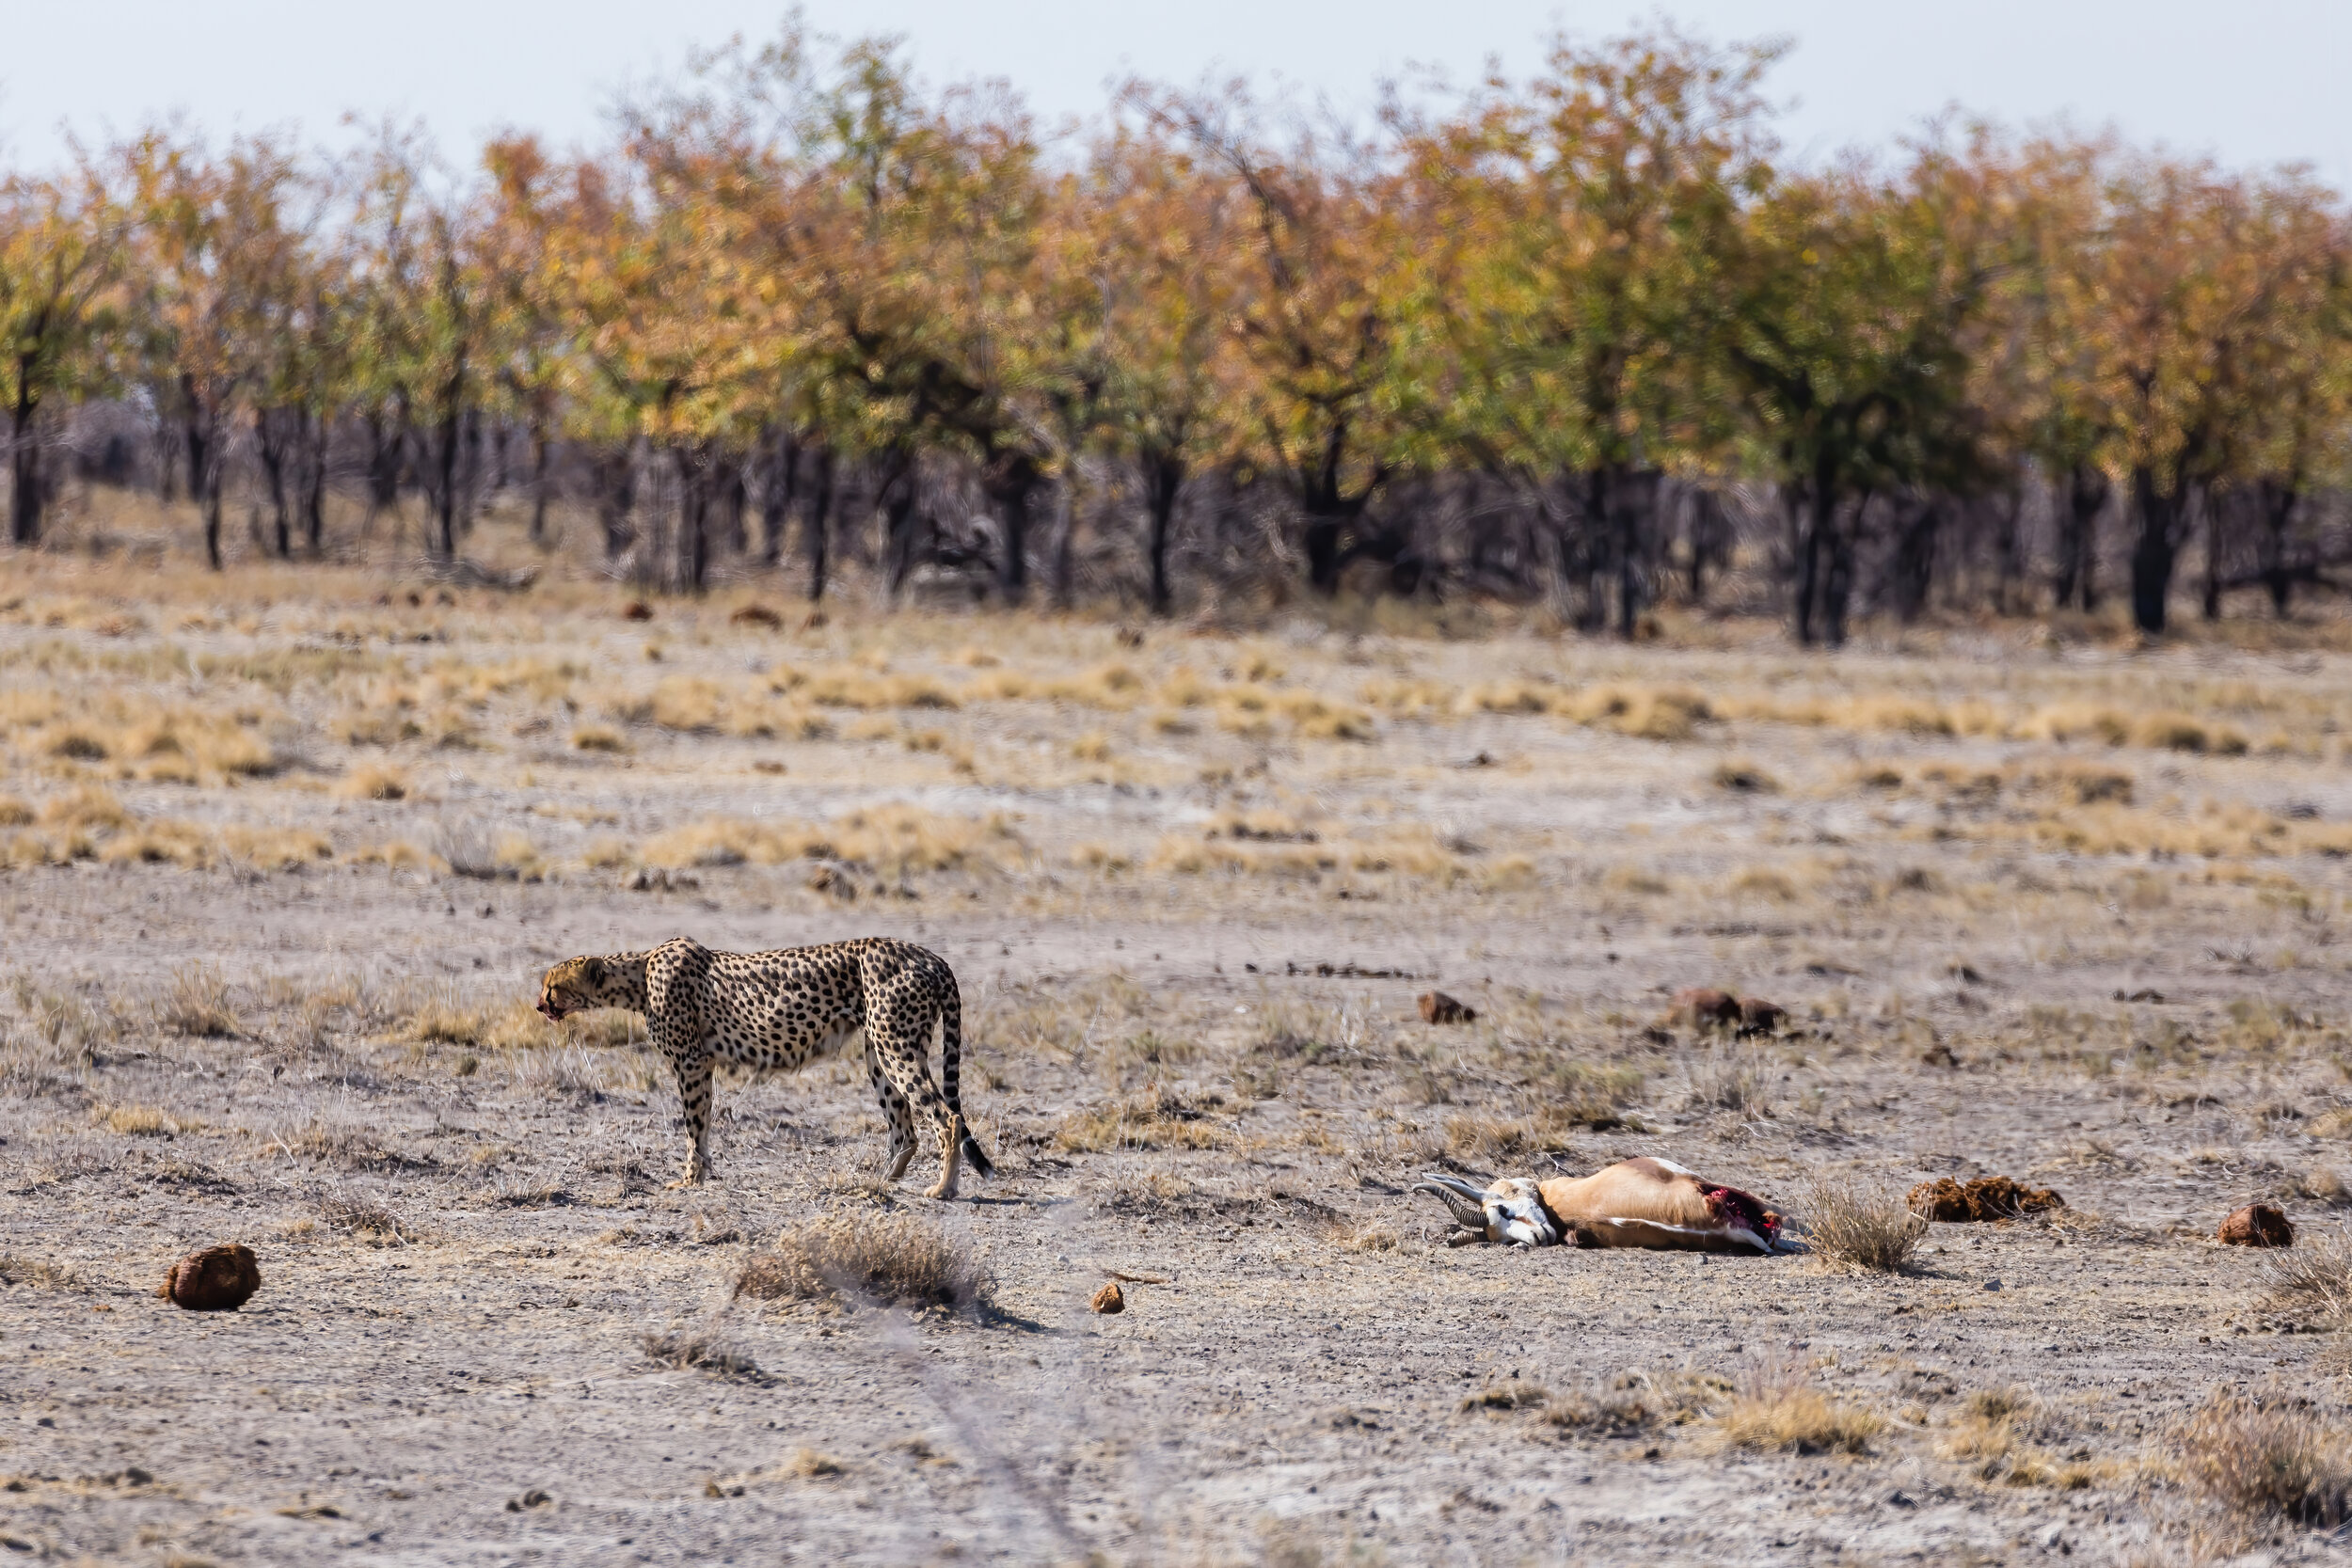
(1514, 1213)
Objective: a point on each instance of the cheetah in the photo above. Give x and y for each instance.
(787, 1008)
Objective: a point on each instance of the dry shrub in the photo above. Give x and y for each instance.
(1636, 1403)
(1994, 1435)
(1644, 712)
(1514, 1395)
(598, 737)
(197, 1004)
(894, 839)
(2271, 1455)
(398, 853)
(366, 1220)
(1778, 1410)
(374, 781)
(1762, 882)
(2313, 1279)
(699, 1350)
(137, 1121)
(874, 1258)
(1595, 1105)
(509, 1026)
(14, 813)
(1745, 778)
(38, 1273)
(858, 688)
(1730, 1079)
(2070, 722)
(1859, 1225)
(1368, 1236)
(1159, 1117)
(91, 806)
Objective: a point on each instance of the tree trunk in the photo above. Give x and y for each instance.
(445, 465)
(1013, 490)
(1163, 480)
(2210, 506)
(204, 475)
(2153, 554)
(538, 481)
(2076, 577)
(314, 491)
(1633, 500)
(1065, 538)
(269, 434)
(25, 464)
(778, 489)
(2279, 500)
(816, 525)
(1837, 582)
(897, 497)
(693, 541)
(616, 498)
(1912, 572)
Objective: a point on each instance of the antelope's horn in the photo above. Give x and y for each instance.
(1467, 1202)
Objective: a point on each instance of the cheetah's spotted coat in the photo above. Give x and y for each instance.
(784, 1008)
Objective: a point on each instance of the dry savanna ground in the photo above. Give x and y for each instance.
(285, 851)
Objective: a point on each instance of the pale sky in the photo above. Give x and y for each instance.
(2252, 81)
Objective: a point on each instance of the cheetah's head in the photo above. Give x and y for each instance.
(572, 985)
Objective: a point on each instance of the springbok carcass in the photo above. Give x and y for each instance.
(1636, 1203)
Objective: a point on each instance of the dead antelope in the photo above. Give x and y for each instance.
(1637, 1203)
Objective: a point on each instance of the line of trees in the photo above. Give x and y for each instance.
(1562, 337)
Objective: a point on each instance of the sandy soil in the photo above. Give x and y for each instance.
(465, 1379)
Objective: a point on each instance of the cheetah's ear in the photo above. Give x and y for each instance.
(595, 971)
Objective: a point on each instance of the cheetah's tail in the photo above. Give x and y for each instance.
(950, 1067)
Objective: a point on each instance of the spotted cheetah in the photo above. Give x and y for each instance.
(783, 1008)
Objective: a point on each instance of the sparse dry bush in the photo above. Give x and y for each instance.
(1778, 1410)
(1861, 1226)
(1634, 1404)
(869, 1258)
(1159, 1117)
(366, 1220)
(197, 1004)
(699, 1349)
(2270, 1454)
(891, 839)
(2312, 1279)
(39, 1273)
(1729, 1078)
(135, 1122)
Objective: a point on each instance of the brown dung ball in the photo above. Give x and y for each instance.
(1705, 1007)
(1110, 1298)
(1437, 1007)
(2257, 1225)
(217, 1279)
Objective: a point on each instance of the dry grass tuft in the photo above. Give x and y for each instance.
(1159, 1117)
(38, 1273)
(197, 1004)
(1507, 1396)
(374, 781)
(871, 1260)
(1776, 1410)
(2313, 1279)
(2269, 1455)
(1635, 1402)
(135, 1122)
(1859, 1226)
(699, 1350)
(367, 1220)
